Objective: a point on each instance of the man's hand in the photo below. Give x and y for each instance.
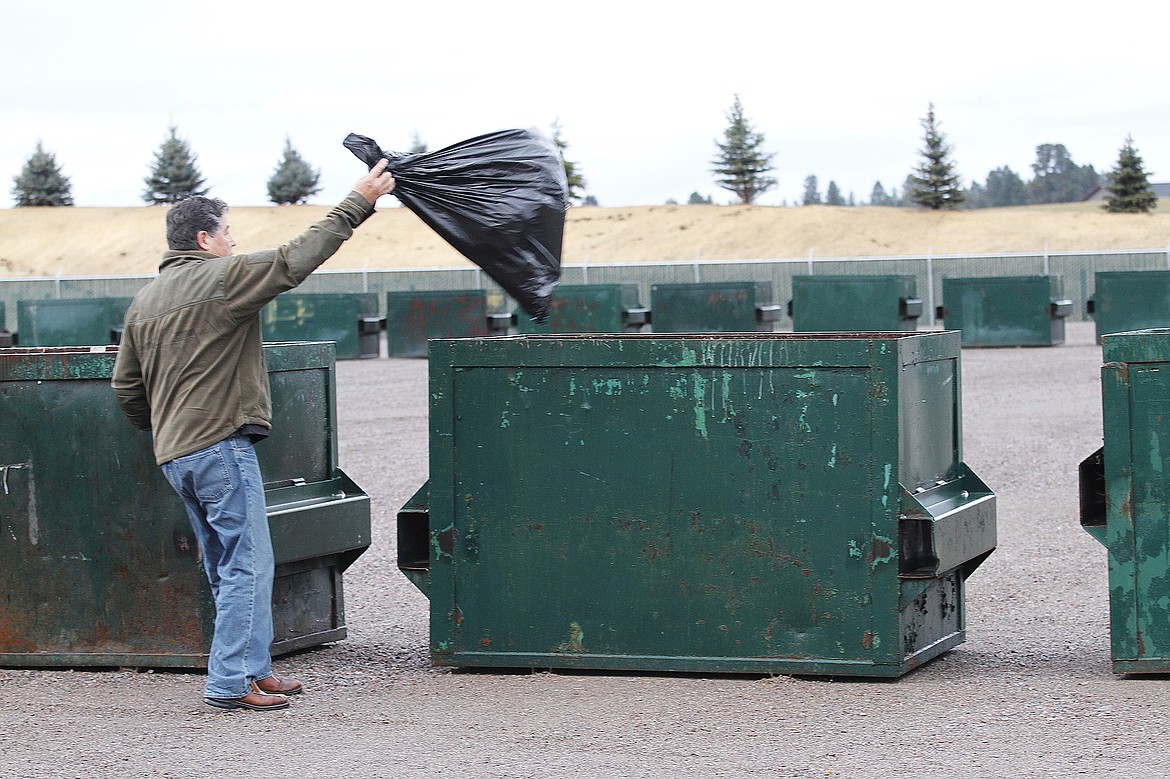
(376, 183)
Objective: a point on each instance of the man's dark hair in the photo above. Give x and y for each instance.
(188, 217)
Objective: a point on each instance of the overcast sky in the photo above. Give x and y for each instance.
(641, 90)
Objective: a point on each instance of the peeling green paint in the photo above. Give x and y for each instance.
(609, 387)
(1155, 452)
(700, 396)
(833, 457)
(890, 546)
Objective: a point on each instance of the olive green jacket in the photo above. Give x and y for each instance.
(190, 366)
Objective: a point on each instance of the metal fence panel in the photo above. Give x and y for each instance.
(1077, 269)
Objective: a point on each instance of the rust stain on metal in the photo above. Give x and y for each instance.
(1127, 506)
(446, 540)
(867, 640)
(485, 641)
(457, 615)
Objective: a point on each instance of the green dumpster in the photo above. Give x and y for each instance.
(98, 564)
(854, 303)
(756, 503)
(414, 317)
(589, 308)
(1125, 497)
(1005, 310)
(714, 307)
(350, 320)
(7, 339)
(70, 321)
(1130, 300)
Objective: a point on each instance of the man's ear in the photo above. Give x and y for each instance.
(203, 239)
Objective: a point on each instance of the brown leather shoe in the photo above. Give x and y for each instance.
(256, 700)
(275, 685)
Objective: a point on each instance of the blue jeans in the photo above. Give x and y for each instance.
(224, 494)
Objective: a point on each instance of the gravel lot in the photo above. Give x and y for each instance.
(1030, 694)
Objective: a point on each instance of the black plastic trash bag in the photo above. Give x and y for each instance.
(500, 199)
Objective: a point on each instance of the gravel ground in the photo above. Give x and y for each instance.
(1030, 693)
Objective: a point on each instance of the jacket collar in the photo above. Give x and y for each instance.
(173, 259)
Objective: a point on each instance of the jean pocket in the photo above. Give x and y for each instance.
(210, 477)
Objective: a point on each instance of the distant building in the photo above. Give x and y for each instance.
(1099, 193)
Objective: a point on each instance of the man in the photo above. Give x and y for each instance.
(190, 369)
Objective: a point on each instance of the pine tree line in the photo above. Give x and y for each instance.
(174, 175)
(742, 168)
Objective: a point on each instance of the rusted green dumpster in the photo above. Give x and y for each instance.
(1130, 300)
(756, 503)
(98, 564)
(1125, 497)
(829, 303)
(713, 307)
(350, 320)
(414, 317)
(1005, 310)
(589, 308)
(70, 321)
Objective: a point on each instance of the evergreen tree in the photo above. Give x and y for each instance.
(833, 195)
(1057, 178)
(572, 173)
(589, 201)
(878, 196)
(1129, 185)
(811, 196)
(293, 181)
(174, 175)
(41, 182)
(1005, 188)
(935, 184)
(976, 196)
(698, 200)
(742, 166)
(417, 146)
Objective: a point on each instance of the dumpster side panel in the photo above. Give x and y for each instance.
(579, 308)
(1150, 415)
(704, 308)
(1002, 311)
(314, 317)
(413, 318)
(71, 322)
(716, 575)
(1131, 300)
(847, 303)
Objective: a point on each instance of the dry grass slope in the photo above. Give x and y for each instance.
(116, 241)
